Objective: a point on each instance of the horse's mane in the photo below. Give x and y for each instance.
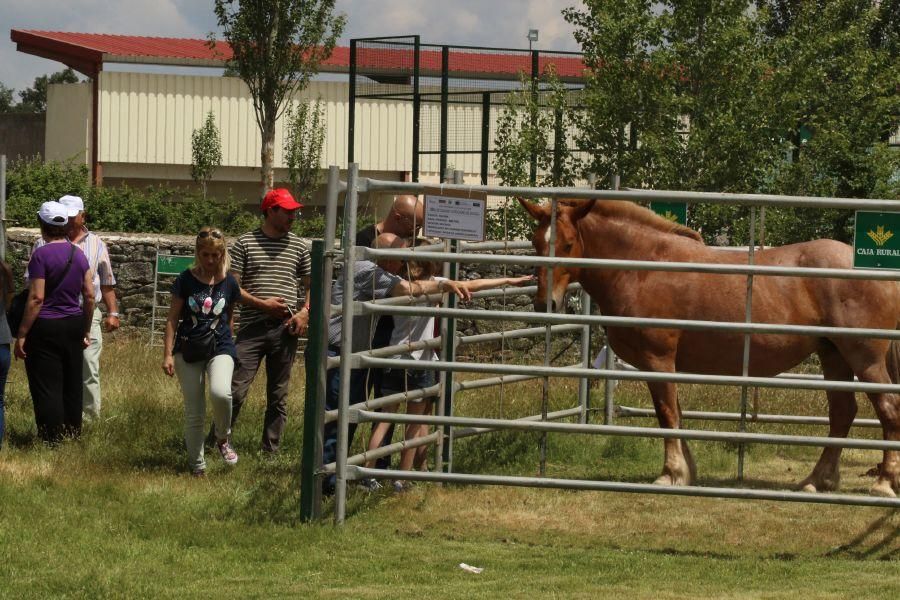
(643, 216)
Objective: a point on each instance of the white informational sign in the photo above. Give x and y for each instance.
(455, 218)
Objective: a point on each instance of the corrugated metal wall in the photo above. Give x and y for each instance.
(148, 118)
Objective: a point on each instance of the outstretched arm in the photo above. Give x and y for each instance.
(477, 285)
(425, 288)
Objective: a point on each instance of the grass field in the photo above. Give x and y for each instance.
(116, 515)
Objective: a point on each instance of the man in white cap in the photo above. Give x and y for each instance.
(104, 282)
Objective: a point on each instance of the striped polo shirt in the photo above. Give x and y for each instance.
(269, 267)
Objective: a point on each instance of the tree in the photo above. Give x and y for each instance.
(535, 124)
(629, 92)
(206, 151)
(835, 71)
(6, 99)
(712, 95)
(34, 99)
(277, 46)
(303, 143)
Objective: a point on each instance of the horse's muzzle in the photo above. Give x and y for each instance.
(540, 306)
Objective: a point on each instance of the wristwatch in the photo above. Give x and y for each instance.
(113, 314)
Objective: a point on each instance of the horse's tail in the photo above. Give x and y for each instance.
(893, 361)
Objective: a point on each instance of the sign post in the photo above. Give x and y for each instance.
(876, 240)
(455, 215)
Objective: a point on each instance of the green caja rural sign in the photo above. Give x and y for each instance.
(876, 240)
(673, 211)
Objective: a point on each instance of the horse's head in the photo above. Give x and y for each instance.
(568, 245)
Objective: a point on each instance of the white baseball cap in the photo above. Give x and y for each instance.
(53, 213)
(74, 204)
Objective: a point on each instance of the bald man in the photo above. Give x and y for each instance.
(403, 220)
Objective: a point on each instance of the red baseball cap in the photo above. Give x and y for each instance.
(279, 197)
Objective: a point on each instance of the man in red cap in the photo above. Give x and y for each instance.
(271, 263)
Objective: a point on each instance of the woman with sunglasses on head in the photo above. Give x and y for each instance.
(200, 350)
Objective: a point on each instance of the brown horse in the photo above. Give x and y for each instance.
(622, 230)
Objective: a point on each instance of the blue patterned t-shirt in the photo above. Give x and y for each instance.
(206, 307)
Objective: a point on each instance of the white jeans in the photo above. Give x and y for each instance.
(192, 376)
(90, 369)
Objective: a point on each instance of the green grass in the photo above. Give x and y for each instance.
(116, 515)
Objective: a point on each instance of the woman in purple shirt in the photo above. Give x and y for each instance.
(56, 327)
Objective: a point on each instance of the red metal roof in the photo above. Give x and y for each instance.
(92, 49)
(86, 52)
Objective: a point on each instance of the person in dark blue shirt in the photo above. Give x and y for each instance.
(199, 346)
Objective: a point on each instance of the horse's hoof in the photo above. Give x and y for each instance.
(668, 480)
(883, 489)
(817, 483)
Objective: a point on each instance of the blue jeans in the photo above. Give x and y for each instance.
(4, 371)
(358, 393)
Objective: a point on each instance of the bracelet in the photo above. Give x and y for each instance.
(113, 314)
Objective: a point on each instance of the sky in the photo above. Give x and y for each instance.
(502, 23)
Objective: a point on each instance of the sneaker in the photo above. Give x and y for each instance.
(198, 473)
(401, 486)
(227, 452)
(371, 485)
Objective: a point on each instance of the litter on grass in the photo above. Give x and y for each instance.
(470, 568)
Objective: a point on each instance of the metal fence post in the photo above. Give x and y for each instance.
(417, 109)
(343, 441)
(745, 367)
(548, 334)
(449, 349)
(315, 357)
(609, 387)
(584, 389)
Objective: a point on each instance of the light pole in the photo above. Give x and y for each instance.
(532, 37)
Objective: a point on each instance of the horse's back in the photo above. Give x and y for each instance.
(823, 254)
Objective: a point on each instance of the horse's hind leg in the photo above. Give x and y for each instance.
(887, 407)
(868, 362)
(678, 465)
(826, 474)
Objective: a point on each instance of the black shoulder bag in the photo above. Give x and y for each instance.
(16, 311)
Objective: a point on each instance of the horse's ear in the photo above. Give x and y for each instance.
(537, 211)
(580, 209)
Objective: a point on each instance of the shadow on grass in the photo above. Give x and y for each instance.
(880, 540)
(21, 439)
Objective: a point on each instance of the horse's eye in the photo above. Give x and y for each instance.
(567, 247)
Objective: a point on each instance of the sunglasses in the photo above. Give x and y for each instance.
(214, 233)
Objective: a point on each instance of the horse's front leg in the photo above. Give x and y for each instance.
(678, 465)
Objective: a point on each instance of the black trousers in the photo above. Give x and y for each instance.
(53, 352)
